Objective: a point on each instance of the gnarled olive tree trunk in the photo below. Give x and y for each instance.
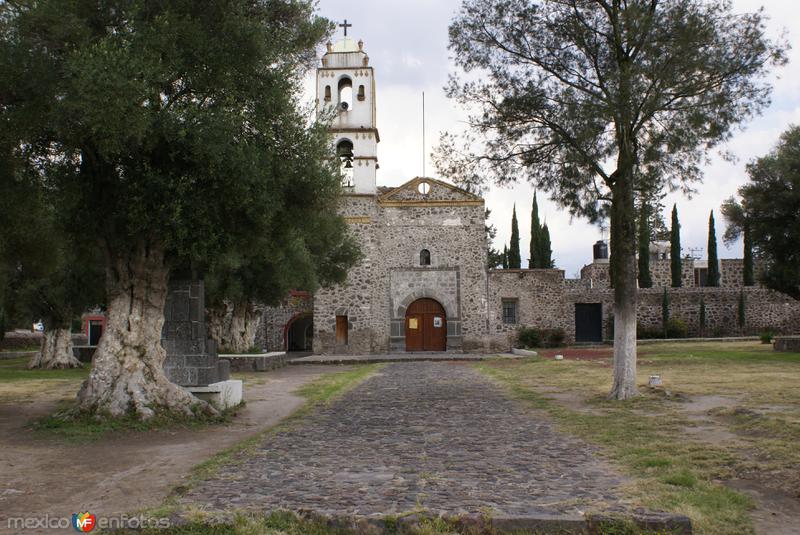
(127, 374)
(233, 326)
(56, 351)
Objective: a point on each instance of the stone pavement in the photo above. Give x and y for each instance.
(402, 357)
(433, 435)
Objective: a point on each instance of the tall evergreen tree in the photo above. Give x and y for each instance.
(748, 270)
(545, 253)
(514, 259)
(505, 256)
(675, 249)
(713, 261)
(536, 231)
(645, 281)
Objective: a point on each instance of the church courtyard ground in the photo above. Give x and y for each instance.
(502, 438)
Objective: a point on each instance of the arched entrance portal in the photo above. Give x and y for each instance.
(300, 333)
(426, 326)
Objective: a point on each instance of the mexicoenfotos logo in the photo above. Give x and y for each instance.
(84, 522)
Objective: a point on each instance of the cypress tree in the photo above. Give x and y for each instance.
(675, 249)
(713, 261)
(505, 256)
(514, 260)
(545, 256)
(645, 281)
(748, 274)
(665, 311)
(536, 231)
(703, 319)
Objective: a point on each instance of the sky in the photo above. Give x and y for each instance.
(406, 41)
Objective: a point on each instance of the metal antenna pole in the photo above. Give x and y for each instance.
(423, 133)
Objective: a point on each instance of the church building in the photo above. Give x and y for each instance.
(423, 282)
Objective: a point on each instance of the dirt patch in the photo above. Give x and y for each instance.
(703, 404)
(578, 353)
(776, 513)
(125, 473)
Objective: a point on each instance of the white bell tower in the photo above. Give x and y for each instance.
(346, 83)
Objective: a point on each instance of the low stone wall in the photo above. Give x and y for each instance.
(547, 301)
(256, 363)
(790, 344)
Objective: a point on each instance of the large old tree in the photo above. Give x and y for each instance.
(162, 129)
(596, 101)
(768, 216)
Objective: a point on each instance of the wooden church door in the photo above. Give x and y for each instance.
(426, 326)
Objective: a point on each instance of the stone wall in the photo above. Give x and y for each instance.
(546, 300)
(271, 335)
(540, 303)
(661, 273)
(389, 278)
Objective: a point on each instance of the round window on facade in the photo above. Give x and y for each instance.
(424, 188)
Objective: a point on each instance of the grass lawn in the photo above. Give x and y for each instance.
(725, 411)
(18, 384)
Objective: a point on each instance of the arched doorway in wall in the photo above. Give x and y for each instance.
(300, 333)
(426, 326)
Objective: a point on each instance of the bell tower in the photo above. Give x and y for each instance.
(346, 84)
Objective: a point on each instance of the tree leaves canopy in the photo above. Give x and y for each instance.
(165, 123)
(555, 84)
(769, 211)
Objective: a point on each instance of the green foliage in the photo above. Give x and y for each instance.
(45, 272)
(529, 337)
(676, 328)
(769, 211)
(643, 240)
(164, 126)
(532, 337)
(649, 333)
(676, 267)
(505, 256)
(713, 260)
(540, 248)
(767, 336)
(514, 259)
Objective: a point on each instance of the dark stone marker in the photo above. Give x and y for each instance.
(191, 357)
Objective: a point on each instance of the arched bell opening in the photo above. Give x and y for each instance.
(344, 150)
(345, 94)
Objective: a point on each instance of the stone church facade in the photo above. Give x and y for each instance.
(423, 282)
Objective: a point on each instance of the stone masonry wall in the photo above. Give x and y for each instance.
(546, 300)
(378, 290)
(661, 273)
(275, 319)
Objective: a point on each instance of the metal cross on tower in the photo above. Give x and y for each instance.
(345, 26)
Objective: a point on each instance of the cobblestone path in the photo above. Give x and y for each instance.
(433, 435)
